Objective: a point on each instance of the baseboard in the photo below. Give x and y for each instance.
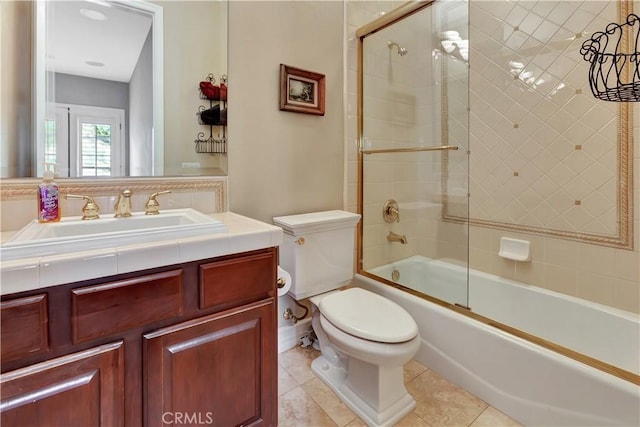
(289, 336)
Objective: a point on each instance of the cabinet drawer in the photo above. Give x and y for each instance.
(114, 307)
(24, 325)
(238, 280)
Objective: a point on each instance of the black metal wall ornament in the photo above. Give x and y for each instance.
(215, 115)
(614, 74)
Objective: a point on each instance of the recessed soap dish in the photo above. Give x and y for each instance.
(515, 249)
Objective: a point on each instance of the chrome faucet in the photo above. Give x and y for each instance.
(123, 204)
(393, 237)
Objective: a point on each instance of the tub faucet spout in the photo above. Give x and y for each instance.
(393, 237)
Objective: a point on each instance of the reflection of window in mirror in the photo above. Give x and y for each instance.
(85, 141)
(50, 139)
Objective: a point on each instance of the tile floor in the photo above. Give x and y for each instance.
(305, 401)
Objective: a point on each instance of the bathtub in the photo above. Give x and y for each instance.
(532, 384)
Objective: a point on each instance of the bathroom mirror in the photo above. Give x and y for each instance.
(98, 80)
(170, 57)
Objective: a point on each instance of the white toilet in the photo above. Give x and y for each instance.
(365, 339)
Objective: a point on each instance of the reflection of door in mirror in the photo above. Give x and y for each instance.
(85, 141)
(108, 55)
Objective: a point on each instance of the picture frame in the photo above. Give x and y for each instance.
(301, 91)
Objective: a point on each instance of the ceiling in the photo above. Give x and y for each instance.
(115, 39)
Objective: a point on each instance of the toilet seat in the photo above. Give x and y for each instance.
(376, 353)
(368, 316)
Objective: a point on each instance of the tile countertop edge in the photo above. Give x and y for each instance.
(244, 234)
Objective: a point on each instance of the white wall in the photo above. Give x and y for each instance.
(140, 115)
(281, 162)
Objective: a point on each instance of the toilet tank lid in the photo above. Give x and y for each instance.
(316, 221)
(369, 316)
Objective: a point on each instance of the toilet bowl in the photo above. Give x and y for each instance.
(365, 339)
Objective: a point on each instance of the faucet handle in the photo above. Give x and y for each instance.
(152, 207)
(90, 209)
(391, 211)
(122, 207)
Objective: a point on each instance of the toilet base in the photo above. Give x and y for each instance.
(336, 378)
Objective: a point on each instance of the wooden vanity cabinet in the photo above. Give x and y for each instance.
(188, 344)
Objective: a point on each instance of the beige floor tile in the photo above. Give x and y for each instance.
(305, 401)
(297, 409)
(412, 369)
(357, 423)
(442, 403)
(491, 417)
(329, 402)
(412, 420)
(285, 381)
(297, 362)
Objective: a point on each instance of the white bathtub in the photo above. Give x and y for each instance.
(534, 385)
(598, 331)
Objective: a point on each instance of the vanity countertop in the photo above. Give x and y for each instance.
(244, 234)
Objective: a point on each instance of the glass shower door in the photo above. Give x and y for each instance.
(414, 151)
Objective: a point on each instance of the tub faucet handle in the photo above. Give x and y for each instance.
(391, 211)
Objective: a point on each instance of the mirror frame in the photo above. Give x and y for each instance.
(42, 87)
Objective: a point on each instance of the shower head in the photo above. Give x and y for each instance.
(401, 50)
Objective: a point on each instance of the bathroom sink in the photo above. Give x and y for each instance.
(73, 234)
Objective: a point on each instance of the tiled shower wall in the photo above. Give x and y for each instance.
(544, 149)
(402, 108)
(598, 273)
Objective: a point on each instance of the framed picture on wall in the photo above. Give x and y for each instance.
(301, 91)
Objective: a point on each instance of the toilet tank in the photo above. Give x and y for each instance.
(318, 250)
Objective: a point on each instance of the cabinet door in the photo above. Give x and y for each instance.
(218, 370)
(23, 327)
(81, 389)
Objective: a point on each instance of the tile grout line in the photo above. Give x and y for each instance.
(481, 412)
(310, 397)
(329, 415)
